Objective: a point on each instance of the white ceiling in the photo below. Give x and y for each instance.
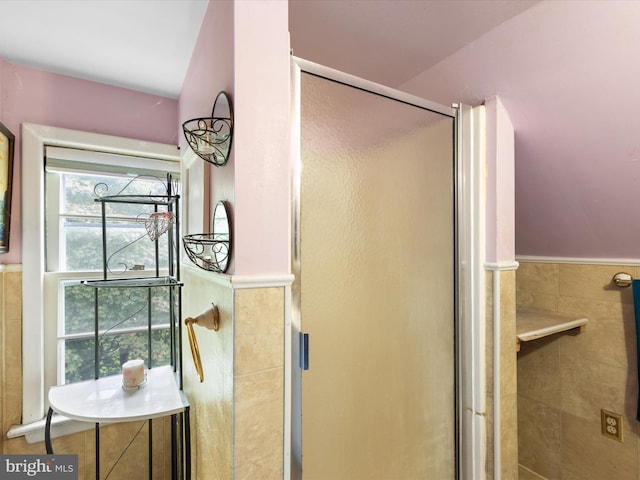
(142, 45)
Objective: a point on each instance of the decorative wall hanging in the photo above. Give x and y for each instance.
(158, 223)
(210, 137)
(211, 251)
(7, 140)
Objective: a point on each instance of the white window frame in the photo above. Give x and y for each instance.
(34, 140)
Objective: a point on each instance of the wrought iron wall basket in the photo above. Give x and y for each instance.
(211, 137)
(208, 251)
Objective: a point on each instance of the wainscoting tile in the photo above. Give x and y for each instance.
(594, 282)
(591, 456)
(588, 386)
(258, 425)
(259, 329)
(539, 434)
(609, 336)
(539, 371)
(539, 277)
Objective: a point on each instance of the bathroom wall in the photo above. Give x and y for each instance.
(564, 380)
(212, 400)
(501, 290)
(238, 411)
(35, 96)
(124, 447)
(243, 48)
(500, 299)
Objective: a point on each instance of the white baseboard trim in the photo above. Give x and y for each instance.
(261, 281)
(501, 266)
(238, 282)
(11, 267)
(632, 262)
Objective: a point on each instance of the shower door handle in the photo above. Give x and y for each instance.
(303, 341)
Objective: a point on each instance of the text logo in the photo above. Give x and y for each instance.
(51, 467)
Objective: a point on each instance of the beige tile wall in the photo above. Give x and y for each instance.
(259, 383)
(212, 400)
(124, 447)
(238, 411)
(508, 391)
(564, 380)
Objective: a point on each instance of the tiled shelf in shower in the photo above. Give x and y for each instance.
(532, 324)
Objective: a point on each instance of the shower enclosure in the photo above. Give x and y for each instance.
(375, 318)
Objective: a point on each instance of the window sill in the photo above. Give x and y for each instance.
(60, 426)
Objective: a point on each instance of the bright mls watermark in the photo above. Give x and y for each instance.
(52, 467)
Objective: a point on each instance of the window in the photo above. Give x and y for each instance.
(73, 252)
(58, 312)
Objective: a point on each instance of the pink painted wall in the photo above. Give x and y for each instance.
(262, 182)
(29, 95)
(577, 149)
(500, 219)
(210, 71)
(243, 48)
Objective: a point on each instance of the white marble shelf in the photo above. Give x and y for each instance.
(105, 401)
(532, 324)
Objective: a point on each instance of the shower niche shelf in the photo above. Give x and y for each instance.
(532, 324)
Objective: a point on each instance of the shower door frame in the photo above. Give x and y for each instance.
(469, 305)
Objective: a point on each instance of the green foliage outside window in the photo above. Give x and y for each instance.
(119, 309)
(124, 314)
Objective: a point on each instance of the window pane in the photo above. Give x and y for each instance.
(129, 307)
(128, 245)
(135, 211)
(82, 244)
(114, 351)
(79, 360)
(81, 190)
(79, 309)
(78, 194)
(119, 308)
(124, 314)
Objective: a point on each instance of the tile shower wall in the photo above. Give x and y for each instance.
(508, 436)
(564, 380)
(212, 400)
(113, 439)
(237, 412)
(259, 383)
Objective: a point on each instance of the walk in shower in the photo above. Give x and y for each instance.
(375, 382)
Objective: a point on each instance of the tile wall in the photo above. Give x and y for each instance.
(238, 411)
(212, 400)
(564, 380)
(124, 447)
(508, 437)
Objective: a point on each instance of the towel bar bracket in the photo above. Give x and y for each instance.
(622, 279)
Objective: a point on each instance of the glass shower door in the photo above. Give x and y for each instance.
(375, 288)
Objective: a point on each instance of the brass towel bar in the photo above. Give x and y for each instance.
(210, 319)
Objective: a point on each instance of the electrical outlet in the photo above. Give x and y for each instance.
(611, 425)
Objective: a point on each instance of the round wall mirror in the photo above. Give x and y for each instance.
(221, 237)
